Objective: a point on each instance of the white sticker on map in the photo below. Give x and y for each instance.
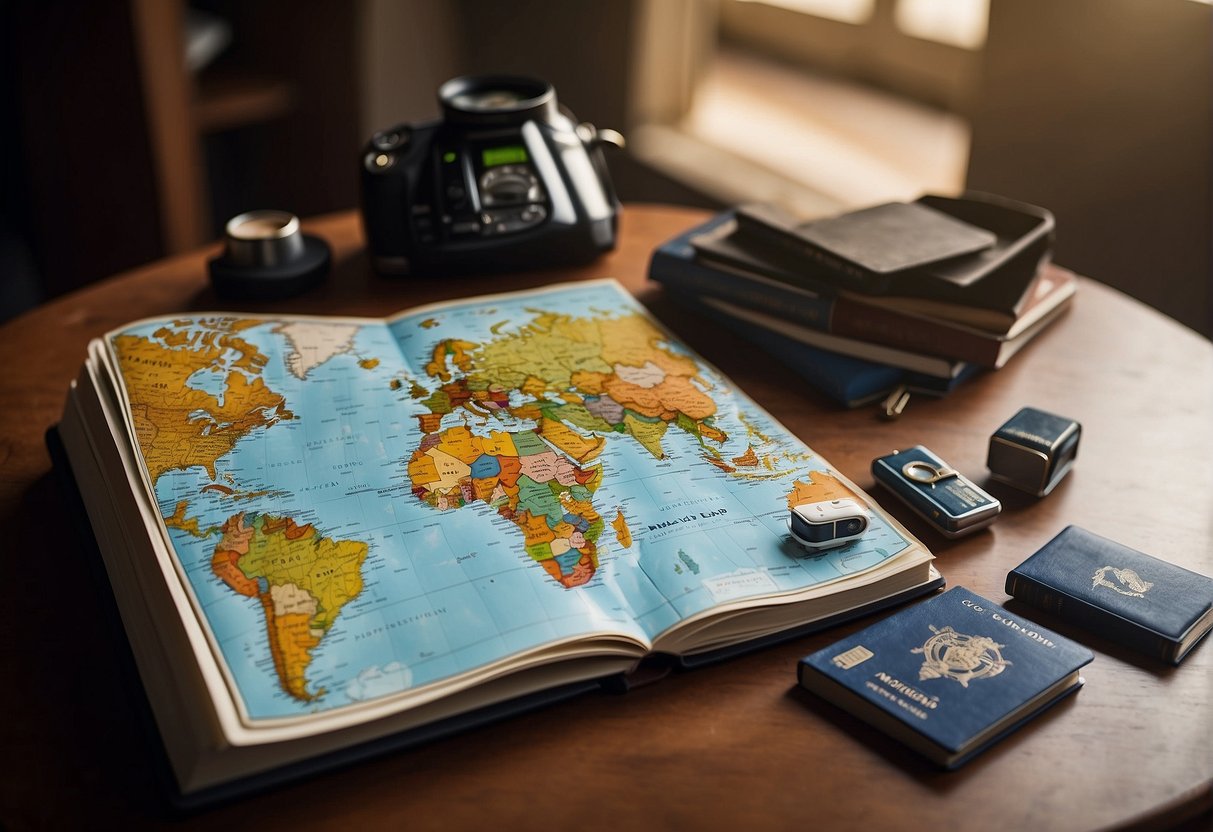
(739, 584)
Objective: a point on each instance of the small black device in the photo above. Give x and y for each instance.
(936, 492)
(1033, 450)
(505, 180)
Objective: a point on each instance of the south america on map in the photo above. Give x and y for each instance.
(364, 507)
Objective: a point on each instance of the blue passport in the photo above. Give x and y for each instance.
(1127, 596)
(948, 677)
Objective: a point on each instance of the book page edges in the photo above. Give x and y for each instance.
(190, 634)
(206, 746)
(843, 697)
(208, 689)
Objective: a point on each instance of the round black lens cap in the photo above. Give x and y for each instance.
(280, 280)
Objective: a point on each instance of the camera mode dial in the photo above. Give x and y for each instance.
(510, 185)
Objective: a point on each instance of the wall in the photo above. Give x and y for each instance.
(408, 48)
(585, 48)
(1101, 111)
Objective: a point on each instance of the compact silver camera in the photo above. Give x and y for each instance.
(825, 525)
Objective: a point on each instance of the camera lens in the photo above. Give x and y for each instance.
(497, 99)
(488, 100)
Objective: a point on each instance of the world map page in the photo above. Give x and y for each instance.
(363, 507)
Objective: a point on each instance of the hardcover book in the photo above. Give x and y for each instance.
(889, 238)
(938, 366)
(325, 534)
(1111, 589)
(959, 244)
(849, 381)
(947, 677)
(718, 268)
(674, 264)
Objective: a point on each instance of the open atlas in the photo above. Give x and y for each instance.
(320, 531)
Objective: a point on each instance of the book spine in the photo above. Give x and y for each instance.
(840, 315)
(847, 380)
(855, 319)
(935, 386)
(691, 277)
(847, 274)
(1089, 617)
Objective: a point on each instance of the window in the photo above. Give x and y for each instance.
(820, 105)
(845, 11)
(959, 23)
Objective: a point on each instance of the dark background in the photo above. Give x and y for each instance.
(114, 156)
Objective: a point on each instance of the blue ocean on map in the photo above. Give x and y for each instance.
(445, 591)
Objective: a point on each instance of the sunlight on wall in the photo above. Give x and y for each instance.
(957, 22)
(846, 11)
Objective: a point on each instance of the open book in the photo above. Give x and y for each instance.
(321, 532)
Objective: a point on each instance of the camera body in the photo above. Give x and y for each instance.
(825, 525)
(505, 180)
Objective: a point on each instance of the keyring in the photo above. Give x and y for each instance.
(926, 473)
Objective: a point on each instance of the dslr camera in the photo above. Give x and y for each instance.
(505, 180)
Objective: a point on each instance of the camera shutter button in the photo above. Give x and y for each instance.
(376, 162)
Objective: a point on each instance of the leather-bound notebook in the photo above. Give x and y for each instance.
(938, 247)
(895, 236)
(1127, 596)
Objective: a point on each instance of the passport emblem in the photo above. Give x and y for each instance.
(952, 655)
(1134, 585)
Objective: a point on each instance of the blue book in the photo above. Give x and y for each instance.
(948, 677)
(845, 378)
(1125, 595)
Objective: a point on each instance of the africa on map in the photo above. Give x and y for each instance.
(362, 507)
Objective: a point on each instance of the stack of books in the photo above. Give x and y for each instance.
(919, 295)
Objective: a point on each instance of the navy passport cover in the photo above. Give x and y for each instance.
(950, 667)
(1133, 590)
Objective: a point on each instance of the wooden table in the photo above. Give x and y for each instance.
(735, 746)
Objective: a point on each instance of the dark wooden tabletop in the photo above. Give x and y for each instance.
(734, 746)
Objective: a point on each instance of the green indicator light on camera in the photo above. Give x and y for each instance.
(449, 156)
